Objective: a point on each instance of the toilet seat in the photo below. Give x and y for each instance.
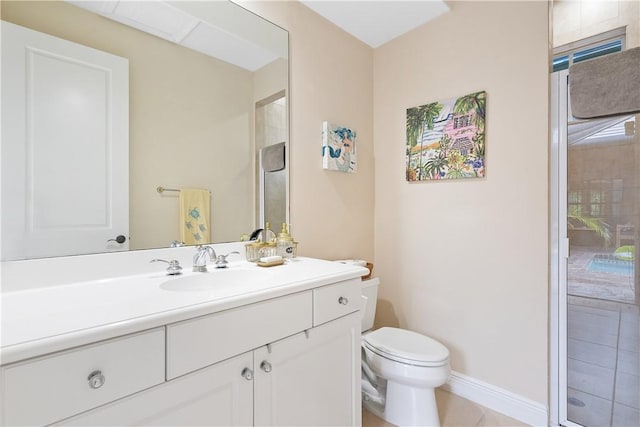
(406, 347)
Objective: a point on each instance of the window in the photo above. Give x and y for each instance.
(462, 121)
(575, 203)
(592, 47)
(597, 206)
(596, 199)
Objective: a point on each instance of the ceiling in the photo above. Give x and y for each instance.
(376, 22)
(214, 28)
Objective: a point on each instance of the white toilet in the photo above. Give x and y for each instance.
(400, 369)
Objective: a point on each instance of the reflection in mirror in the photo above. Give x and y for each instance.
(271, 132)
(187, 119)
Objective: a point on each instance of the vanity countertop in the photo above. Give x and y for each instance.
(43, 320)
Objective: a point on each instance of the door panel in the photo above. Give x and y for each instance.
(594, 305)
(60, 94)
(312, 380)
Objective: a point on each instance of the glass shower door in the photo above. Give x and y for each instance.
(602, 317)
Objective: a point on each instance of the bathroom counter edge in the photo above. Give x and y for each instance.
(28, 330)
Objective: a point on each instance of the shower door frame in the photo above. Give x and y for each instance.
(559, 250)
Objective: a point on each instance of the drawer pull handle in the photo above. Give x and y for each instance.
(343, 300)
(265, 366)
(96, 379)
(247, 374)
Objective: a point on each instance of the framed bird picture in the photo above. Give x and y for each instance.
(338, 148)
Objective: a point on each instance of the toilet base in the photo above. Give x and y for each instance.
(410, 406)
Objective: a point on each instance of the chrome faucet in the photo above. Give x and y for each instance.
(200, 258)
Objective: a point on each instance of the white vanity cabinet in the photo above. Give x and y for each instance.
(289, 360)
(43, 390)
(308, 379)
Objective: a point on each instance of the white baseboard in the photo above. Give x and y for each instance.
(497, 399)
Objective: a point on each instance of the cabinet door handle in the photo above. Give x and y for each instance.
(247, 374)
(343, 300)
(96, 379)
(265, 366)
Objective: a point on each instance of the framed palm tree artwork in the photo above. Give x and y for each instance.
(446, 139)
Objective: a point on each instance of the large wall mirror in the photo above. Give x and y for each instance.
(201, 104)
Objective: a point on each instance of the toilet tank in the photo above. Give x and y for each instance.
(369, 301)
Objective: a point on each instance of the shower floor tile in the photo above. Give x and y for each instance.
(590, 378)
(604, 363)
(587, 409)
(623, 416)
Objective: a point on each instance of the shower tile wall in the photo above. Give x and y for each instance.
(271, 128)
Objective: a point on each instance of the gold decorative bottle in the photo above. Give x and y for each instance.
(285, 243)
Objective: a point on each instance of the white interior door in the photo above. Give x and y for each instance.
(65, 147)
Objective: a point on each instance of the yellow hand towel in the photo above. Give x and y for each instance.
(195, 216)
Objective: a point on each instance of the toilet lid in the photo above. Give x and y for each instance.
(407, 347)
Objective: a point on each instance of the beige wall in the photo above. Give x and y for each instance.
(270, 79)
(466, 262)
(575, 20)
(331, 79)
(190, 122)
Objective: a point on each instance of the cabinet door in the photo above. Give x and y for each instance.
(311, 381)
(215, 396)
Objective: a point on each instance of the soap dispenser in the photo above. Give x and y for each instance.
(269, 239)
(285, 243)
(268, 235)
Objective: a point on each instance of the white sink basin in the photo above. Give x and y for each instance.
(212, 280)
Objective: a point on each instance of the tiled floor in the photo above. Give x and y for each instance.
(604, 363)
(454, 411)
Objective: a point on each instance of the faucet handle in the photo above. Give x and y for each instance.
(174, 266)
(221, 260)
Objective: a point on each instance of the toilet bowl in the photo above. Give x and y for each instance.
(401, 369)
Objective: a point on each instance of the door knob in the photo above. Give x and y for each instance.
(247, 374)
(265, 366)
(96, 379)
(119, 239)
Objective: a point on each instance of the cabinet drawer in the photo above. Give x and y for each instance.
(56, 386)
(196, 343)
(333, 301)
(217, 395)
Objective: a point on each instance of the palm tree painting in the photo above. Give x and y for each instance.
(445, 139)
